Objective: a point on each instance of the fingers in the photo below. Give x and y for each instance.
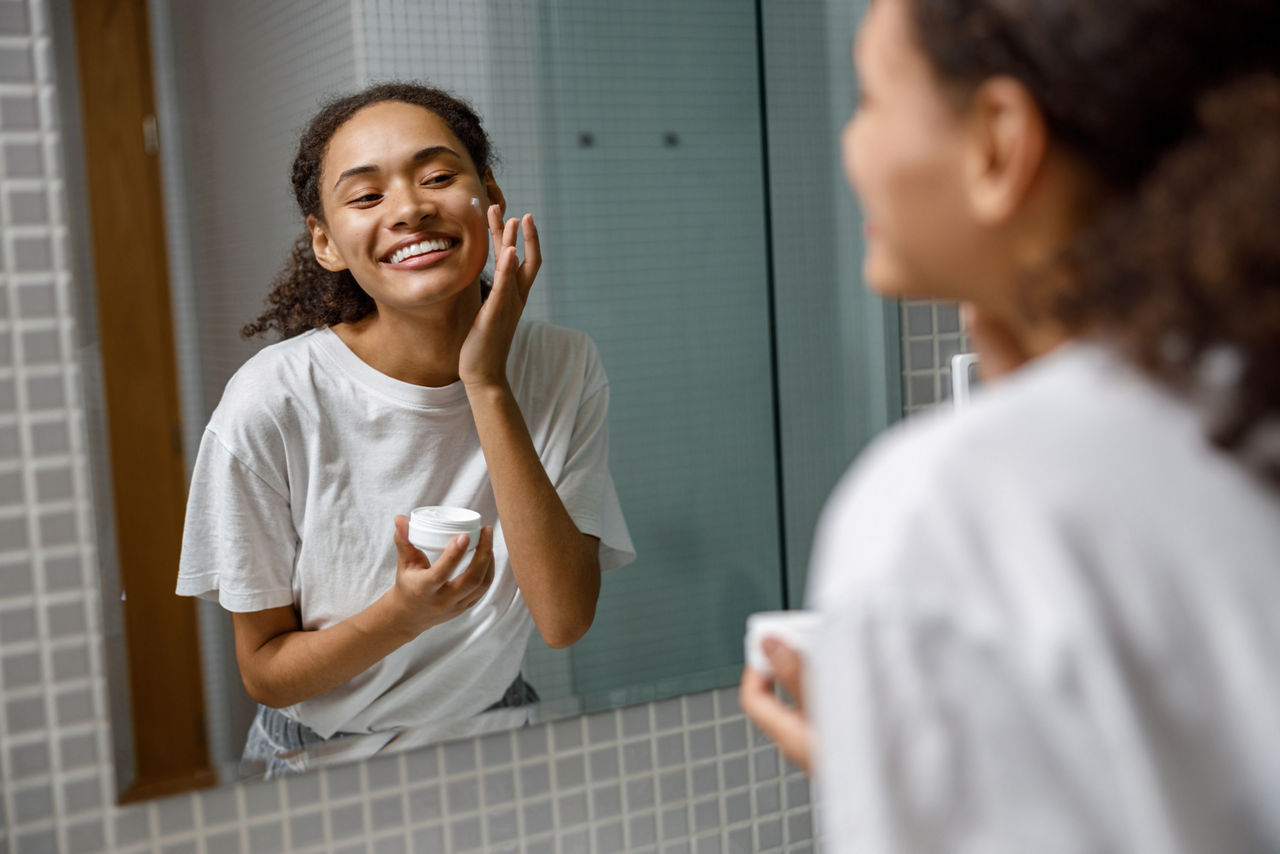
(788, 669)
(406, 553)
(532, 255)
(479, 573)
(786, 727)
(495, 227)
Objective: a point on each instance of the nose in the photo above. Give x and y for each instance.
(409, 206)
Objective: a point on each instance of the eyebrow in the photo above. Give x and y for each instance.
(425, 154)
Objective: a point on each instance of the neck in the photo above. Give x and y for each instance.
(419, 346)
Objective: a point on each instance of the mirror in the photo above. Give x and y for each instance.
(682, 162)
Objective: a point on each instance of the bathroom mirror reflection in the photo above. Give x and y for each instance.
(681, 161)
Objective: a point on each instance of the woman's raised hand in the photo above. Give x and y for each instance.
(484, 354)
(423, 593)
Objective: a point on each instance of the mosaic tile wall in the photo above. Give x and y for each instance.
(683, 775)
(931, 335)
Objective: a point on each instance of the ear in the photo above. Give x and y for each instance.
(1009, 145)
(326, 253)
(493, 192)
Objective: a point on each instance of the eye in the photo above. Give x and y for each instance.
(366, 200)
(438, 179)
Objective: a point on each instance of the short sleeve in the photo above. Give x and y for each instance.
(239, 542)
(585, 484)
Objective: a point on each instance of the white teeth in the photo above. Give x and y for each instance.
(437, 245)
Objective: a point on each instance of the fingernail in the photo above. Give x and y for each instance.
(462, 540)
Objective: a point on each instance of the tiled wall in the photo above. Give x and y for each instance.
(681, 775)
(931, 335)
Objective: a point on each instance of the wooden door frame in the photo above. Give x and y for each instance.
(128, 291)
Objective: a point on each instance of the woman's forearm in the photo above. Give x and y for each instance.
(555, 564)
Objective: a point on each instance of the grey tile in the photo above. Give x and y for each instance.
(19, 112)
(702, 742)
(65, 619)
(674, 822)
(218, 806)
(575, 842)
(32, 804)
(531, 742)
(29, 760)
(637, 756)
(699, 708)
(499, 787)
(82, 795)
(921, 390)
(462, 796)
(13, 533)
(670, 750)
(737, 807)
(9, 445)
(14, 20)
(50, 439)
(707, 845)
(799, 827)
(948, 347)
(16, 65)
(187, 846)
(86, 836)
(466, 834)
(740, 841)
(45, 393)
(796, 792)
(918, 319)
(226, 842)
(604, 764)
(422, 765)
(947, 315)
(425, 803)
(766, 763)
(37, 301)
(343, 782)
(78, 751)
(428, 839)
(55, 484)
(704, 779)
(635, 720)
(383, 772)
(390, 845)
(680, 846)
(535, 779)
(70, 663)
(16, 580)
(539, 817)
(21, 670)
(571, 809)
(639, 794)
(305, 830)
(706, 815)
(567, 734)
(38, 841)
(602, 727)
(643, 829)
(606, 801)
(733, 736)
(62, 573)
(495, 749)
(58, 528)
(266, 838)
(503, 825)
(350, 848)
(130, 825)
(672, 786)
(667, 714)
(41, 347)
(387, 811)
(460, 757)
(32, 255)
(25, 715)
(302, 790)
(23, 160)
(609, 839)
(28, 207)
(539, 846)
(11, 492)
(768, 799)
(769, 833)
(17, 624)
(262, 798)
(919, 354)
(570, 771)
(346, 821)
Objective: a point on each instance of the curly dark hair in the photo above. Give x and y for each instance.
(305, 295)
(1175, 107)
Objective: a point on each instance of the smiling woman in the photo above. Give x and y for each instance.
(428, 391)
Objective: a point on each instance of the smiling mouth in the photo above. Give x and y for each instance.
(413, 250)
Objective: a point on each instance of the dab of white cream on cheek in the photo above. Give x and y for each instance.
(475, 203)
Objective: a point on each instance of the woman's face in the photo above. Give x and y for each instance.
(903, 153)
(396, 190)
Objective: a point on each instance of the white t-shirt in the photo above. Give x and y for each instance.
(1050, 625)
(312, 453)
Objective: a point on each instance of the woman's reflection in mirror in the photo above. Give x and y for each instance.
(405, 377)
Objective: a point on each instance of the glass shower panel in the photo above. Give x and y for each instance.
(655, 235)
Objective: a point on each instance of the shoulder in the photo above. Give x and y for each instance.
(543, 352)
(262, 392)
